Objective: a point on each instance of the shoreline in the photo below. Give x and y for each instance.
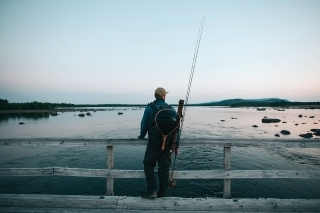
(49, 111)
(94, 109)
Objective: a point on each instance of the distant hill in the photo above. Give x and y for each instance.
(247, 102)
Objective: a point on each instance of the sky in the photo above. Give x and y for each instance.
(104, 52)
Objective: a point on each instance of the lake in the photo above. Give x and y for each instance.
(204, 122)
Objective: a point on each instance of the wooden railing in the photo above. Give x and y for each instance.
(110, 173)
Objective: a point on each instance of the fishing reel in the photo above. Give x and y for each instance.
(173, 184)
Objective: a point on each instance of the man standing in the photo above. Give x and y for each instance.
(154, 152)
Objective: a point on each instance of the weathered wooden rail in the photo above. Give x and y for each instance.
(11, 202)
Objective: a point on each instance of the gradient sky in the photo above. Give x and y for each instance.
(95, 52)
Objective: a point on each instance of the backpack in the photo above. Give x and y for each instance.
(162, 124)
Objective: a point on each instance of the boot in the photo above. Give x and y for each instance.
(148, 194)
(162, 192)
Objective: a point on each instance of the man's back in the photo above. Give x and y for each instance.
(149, 115)
(162, 123)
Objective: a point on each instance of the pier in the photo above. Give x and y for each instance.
(111, 203)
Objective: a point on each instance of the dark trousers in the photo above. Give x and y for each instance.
(151, 157)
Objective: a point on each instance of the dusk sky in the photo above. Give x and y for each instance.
(99, 52)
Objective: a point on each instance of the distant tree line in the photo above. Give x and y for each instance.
(273, 104)
(111, 105)
(6, 105)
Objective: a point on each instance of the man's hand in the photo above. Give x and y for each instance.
(140, 137)
(177, 151)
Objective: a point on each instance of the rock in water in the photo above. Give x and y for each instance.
(270, 120)
(308, 135)
(54, 114)
(21, 123)
(285, 132)
(81, 115)
(316, 133)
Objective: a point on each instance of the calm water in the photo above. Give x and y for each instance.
(199, 122)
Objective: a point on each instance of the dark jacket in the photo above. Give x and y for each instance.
(148, 113)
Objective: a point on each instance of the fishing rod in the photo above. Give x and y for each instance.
(195, 56)
(183, 104)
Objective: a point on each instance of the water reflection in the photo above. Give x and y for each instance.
(4, 118)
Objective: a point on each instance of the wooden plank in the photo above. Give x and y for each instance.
(227, 167)
(110, 166)
(215, 142)
(190, 174)
(75, 210)
(214, 204)
(18, 209)
(161, 204)
(57, 201)
(56, 210)
(26, 171)
(70, 142)
(79, 172)
(246, 174)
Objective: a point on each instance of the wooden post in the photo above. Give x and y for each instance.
(110, 165)
(227, 166)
